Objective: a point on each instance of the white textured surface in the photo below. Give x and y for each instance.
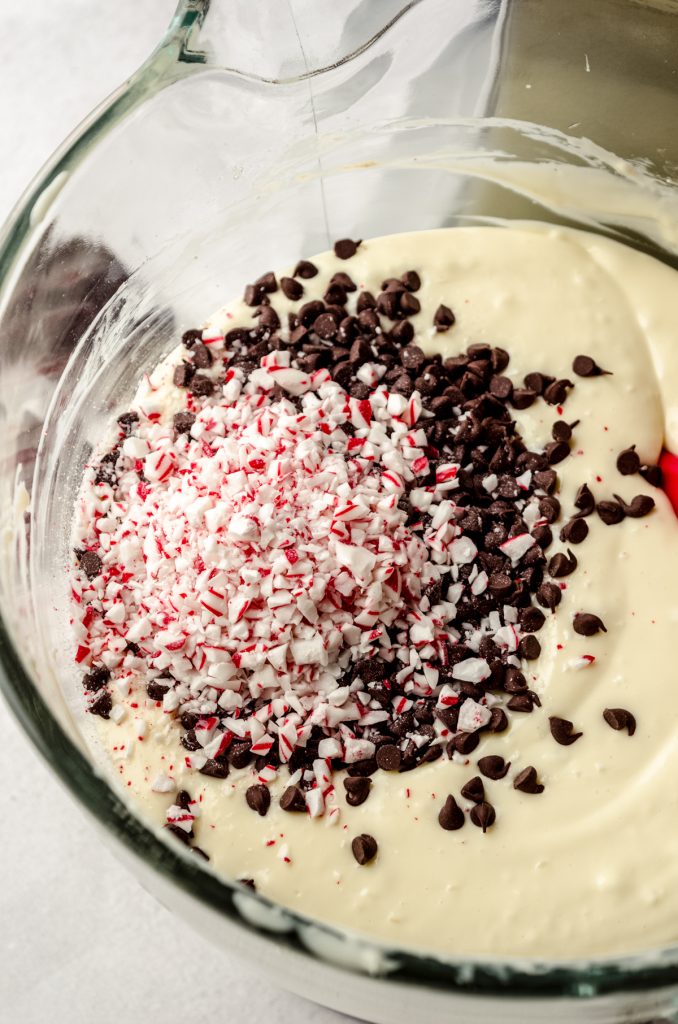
(80, 941)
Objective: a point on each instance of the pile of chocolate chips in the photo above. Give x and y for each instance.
(471, 402)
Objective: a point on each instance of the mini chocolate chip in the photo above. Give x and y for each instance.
(587, 624)
(522, 702)
(368, 320)
(611, 512)
(546, 480)
(267, 282)
(556, 393)
(640, 506)
(348, 329)
(189, 719)
(527, 782)
(91, 564)
(239, 755)
(183, 374)
(361, 769)
(253, 295)
(584, 500)
(183, 421)
(298, 334)
(293, 800)
(574, 532)
(523, 398)
(466, 742)
(305, 269)
(310, 311)
(236, 337)
(500, 584)
(357, 790)
(291, 289)
(156, 690)
(366, 300)
(620, 718)
(537, 382)
(549, 508)
(561, 431)
(442, 406)
(189, 741)
(360, 352)
(412, 358)
(325, 326)
(498, 720)
(652, 474)
(409, 304)
(451, 816)
(402, 332)
(102, 706)
(201, 386)
(388, 757)
(501, 387)
(493, 766)
(585, 366)
(344, 281)
(531, 619)
(426, 384)
(392, 284)
(556, 451)
(97, 678)
(561, 730)
(218, 770)
(202, 357)
(345, 248)
(474, 790)
(443, 318)
(178, 832)
(258, 798)
(529, 648)
(364, 848)
(628, 461)
(268, 318)
(549, 595)
(499, 358)
(411, 280)
(388, 303)
(514, 680)
(479, 350)
(189, 338)
(342, 373)
(127, 421)
(335, 296)
(562, 564)
(183, 799)
(403, 385)
(483, 815)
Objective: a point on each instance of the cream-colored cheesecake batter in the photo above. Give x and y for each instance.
(588, 866)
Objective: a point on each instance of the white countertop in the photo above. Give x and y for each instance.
(80, 941)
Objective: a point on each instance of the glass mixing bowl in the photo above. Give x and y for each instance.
(255, 134)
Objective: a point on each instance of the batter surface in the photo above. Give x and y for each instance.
(588, 865)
